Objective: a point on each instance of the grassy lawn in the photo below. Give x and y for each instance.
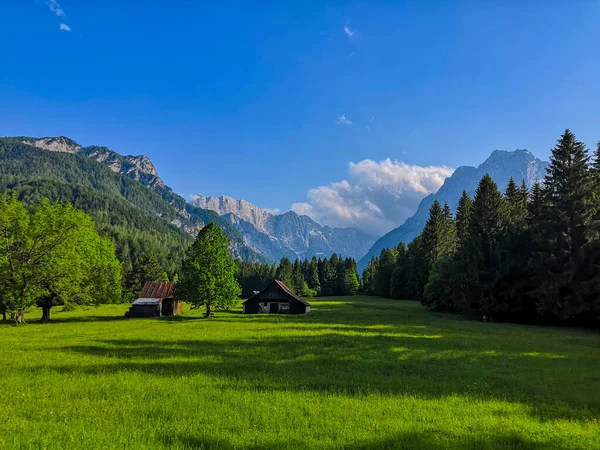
(355, 373)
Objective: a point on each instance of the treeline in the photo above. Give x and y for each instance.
(317, 277)
(523, 256)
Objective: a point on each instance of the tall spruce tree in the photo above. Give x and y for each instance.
(438, 238)
(463, 217)
(285, 272)
(568, 210)
(383, 277)
(487, 229)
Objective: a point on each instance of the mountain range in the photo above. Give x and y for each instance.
(288, 234)
(256, 234)
(501, 166)
(109, 185)
(124, 195)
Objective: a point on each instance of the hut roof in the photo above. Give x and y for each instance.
(284, 288)
(147, 301)
(158, 290)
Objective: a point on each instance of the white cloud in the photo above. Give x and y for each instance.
(55, 7)
(274, 211)
(350, 33)
(343, 120)
(64, 27)
(380, 195)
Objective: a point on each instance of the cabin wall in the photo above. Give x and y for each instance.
(144, 311)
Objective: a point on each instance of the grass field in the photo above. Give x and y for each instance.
(355, 373)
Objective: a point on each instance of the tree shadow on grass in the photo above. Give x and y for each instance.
(421, 365)
(432, 440)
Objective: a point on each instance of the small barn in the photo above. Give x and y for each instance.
(156, 299)
(276, 298)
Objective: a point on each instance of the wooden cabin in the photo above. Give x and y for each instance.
(156, 300)
(276, 298)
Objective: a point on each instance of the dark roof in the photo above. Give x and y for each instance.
(158, 290)
(286, 289)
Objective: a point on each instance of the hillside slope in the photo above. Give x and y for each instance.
(134, 206)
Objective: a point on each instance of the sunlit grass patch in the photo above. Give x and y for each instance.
(354, 373)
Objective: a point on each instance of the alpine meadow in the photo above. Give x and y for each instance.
(351, 225)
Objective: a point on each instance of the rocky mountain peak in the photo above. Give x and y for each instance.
(242, 209)
(59, 144)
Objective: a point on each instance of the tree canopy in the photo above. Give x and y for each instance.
(53, 255)
(208, 272)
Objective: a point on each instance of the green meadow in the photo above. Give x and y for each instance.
(357, 372)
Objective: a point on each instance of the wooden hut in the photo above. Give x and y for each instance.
(156, 299)
(276, 298)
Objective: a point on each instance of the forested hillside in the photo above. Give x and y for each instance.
(522, 255)
(143, 221)
(501, 166)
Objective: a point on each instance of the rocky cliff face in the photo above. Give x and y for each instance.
(59, 144)
(501, 165)
(137, 167)
(241, 209)
(289, 234)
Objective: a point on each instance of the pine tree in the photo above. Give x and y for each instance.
(463, 217)
(350, 283)
(399, 282)
(387, 264)
(517, 205)
(483, 257)
(568, 210)
(312, 276)
(438, 238)
(285, 272)
(298, 284)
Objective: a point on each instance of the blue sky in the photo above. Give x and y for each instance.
(255, 101)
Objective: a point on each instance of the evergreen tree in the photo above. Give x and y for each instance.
(298, 284)
(517, 204)
(312, 276)
(483, 257)
(463, 217)
(208, 272)
(383, 277)
(438, 239)
(369, 276)
(285, 272)
(399, 282)
(350, 283)
(568, 223)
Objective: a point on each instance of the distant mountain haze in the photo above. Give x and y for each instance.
(288, 234)
(501, 165)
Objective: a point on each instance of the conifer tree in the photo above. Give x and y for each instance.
(463, 217)
(285, 272)
(312, 276)
(383, 277)
(438, 238)
(487, 229)
(399, 282)
(568, 210)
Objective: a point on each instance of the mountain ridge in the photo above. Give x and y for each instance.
(287, 234)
